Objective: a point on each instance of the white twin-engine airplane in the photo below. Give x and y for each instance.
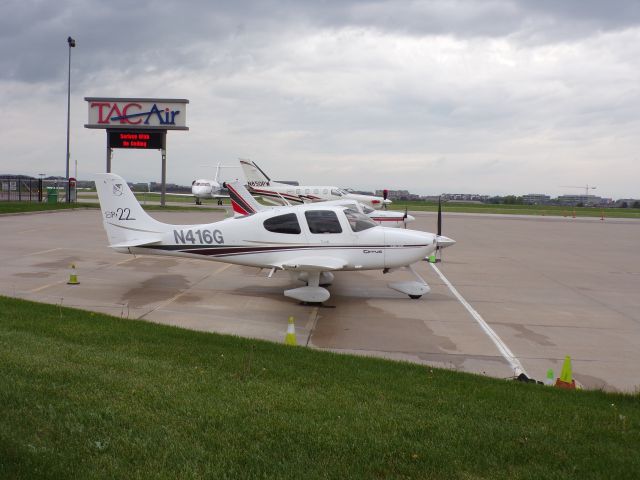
(280, 193)
(244, 204)
(312, 241)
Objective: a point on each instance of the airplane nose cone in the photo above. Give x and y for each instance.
(444, 242)
(201, 190)
(409, 219)
(386, 201)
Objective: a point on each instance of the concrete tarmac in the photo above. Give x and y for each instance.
(548, 286)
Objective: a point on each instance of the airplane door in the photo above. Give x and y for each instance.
(326, 229)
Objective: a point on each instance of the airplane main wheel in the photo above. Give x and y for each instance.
(415, 297)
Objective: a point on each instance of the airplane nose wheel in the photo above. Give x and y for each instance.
(413, 289)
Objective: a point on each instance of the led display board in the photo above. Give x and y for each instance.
(135, 139)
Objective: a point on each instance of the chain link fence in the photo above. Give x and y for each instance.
(17, 189)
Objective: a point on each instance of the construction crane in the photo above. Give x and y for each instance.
(586, 188)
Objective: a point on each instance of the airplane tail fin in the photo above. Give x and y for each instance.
(126, 223)
(255, 176)
(241, 200)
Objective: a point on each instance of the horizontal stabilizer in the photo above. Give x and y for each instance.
(137, 242)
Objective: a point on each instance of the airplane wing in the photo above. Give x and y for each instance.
(168, 194)
(321, 264)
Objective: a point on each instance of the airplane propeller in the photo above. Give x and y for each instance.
(442, 241)
(439, 215)
(404, 217)
(385, 194)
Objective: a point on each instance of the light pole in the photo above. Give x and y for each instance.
(72, 43)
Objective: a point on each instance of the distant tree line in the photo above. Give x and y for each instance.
(507, 200)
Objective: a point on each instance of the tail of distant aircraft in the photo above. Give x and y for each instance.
(126, 223)
(241, 200)
(255, 176)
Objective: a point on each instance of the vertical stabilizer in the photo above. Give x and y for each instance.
(124, 220)
(241, 200)
(255, 176)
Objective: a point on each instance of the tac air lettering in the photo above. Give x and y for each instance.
(130, 114)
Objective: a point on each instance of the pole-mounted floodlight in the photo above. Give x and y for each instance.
(72, 43)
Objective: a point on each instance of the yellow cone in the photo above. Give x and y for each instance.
(73, 277)
(566, 374)
(290, 337)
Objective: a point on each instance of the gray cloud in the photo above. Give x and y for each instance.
(514, 93)
(131, 36)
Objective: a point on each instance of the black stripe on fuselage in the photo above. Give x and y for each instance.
(225, 250)
(279, 196)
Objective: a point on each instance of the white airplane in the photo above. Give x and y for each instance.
(244, 204)
(276, 193)
(203, 188)
(311, 241)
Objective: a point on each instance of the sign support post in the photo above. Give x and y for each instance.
(109, 152)
(163, 187)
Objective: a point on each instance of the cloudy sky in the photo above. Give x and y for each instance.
(493, 97)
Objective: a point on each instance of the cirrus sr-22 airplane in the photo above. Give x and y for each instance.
(276, 193)
(312, 241)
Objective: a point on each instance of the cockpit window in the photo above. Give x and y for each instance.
(323, 221)
(287, 223)
(337, 192)
(358, 221)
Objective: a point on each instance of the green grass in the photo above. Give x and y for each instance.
(85, 395)
(18, 207)
(518, 209)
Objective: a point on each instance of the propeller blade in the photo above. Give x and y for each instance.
(439, 216)
(406, 214)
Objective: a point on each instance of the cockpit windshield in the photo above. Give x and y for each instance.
(357, 221)
(339, 192)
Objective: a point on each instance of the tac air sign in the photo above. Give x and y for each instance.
(137, 113)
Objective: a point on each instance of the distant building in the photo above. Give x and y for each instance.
(398, 195)
(536, 198)
(359, 192)
(626, 203)
(465, 197)
(586, 200)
